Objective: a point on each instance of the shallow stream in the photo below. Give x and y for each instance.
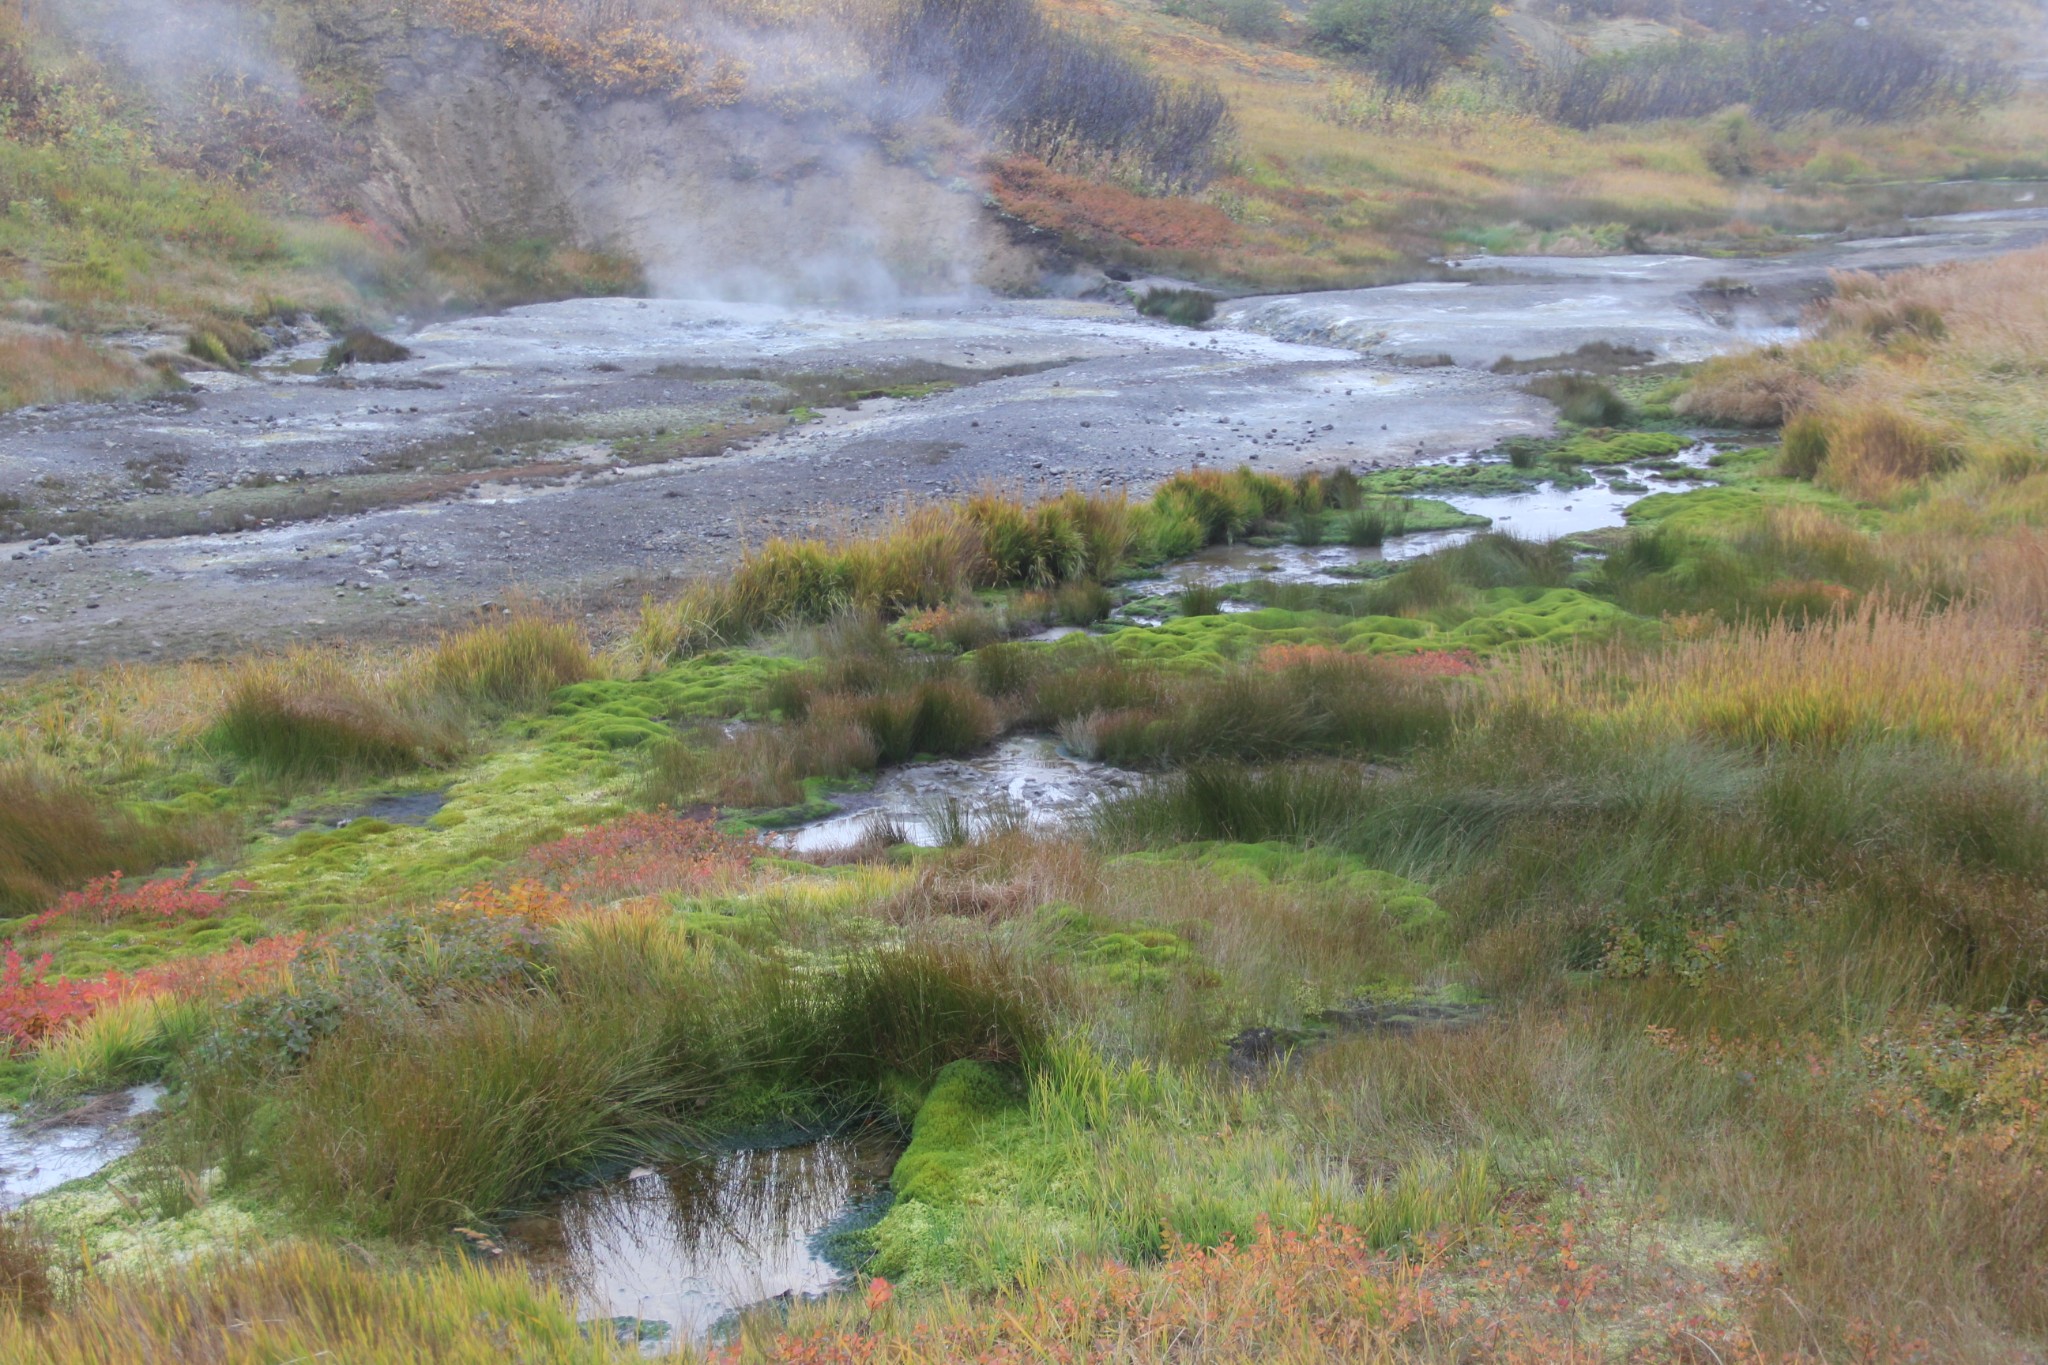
(541, 450)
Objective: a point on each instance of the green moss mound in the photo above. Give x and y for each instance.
(616, 713)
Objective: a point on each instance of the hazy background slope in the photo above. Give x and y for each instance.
(184, 176)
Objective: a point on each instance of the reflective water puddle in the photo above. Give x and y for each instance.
(663, 1254)
(1543, 513)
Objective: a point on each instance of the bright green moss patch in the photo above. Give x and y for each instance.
(1489, 478)
(124, 948)
(975, 1155)
(496, 809)
(1496, 619)
(1133, 956)
(614, 713)
(1405, 516)
(1629, 447)
(965, 1098)
(1732, 507)
(1505, 618)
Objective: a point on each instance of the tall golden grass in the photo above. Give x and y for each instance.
(1908, 377)
(305, 1302)
(1891, 669)
(55, 367)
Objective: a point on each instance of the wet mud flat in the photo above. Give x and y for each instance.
(586, 452)
(663, 1255)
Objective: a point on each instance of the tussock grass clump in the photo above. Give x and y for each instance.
(1369, 524)
(301, 1300)
(931, 558)
(1874, 452)
(25, 1291)
(1299, 804)
(515, 664)
(408, 1124)
(940, 716)
(1884, 671)
(1183, 307)
(55, 834)
(1296, 700)
(361, 346)
(307, 718)
(1200, 600)
(123, 1042)
(1797, 562)
(1908, 379)
(1036, 545)
(1752, 388)
(436, 1071)
(228, 343)
(1581, 399)
(938, 556)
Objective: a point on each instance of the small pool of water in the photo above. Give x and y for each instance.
(1543, 513)
(39, 1154)
(678, 1248)
(1025, 780)
(402, 808)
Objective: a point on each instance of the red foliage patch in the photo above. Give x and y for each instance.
(167, 901)
(33, 1008)
(227, 975)
(1088, 209)
(640, 855)
(1436, 663)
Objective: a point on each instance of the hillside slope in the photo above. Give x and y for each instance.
(193, 179)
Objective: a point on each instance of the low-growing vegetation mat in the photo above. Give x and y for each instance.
(1627, 947)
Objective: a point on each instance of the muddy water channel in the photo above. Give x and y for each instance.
(663, 1254)
(1026, 781)
(585, 450)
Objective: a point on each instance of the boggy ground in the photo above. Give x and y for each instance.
(581, 452)
(1626, 949)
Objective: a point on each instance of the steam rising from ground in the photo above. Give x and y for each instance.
(824, 182)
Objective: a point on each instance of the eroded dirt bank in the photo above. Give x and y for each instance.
(584, 451)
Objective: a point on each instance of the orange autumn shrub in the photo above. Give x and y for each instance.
(1084, 209)
(526, 899)
(640, 855)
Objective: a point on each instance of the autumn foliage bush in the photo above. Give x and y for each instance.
(635, 855)
(35, 1007)
(167, 900)
(1092, 211)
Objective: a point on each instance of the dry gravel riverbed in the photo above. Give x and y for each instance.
(586, 451)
